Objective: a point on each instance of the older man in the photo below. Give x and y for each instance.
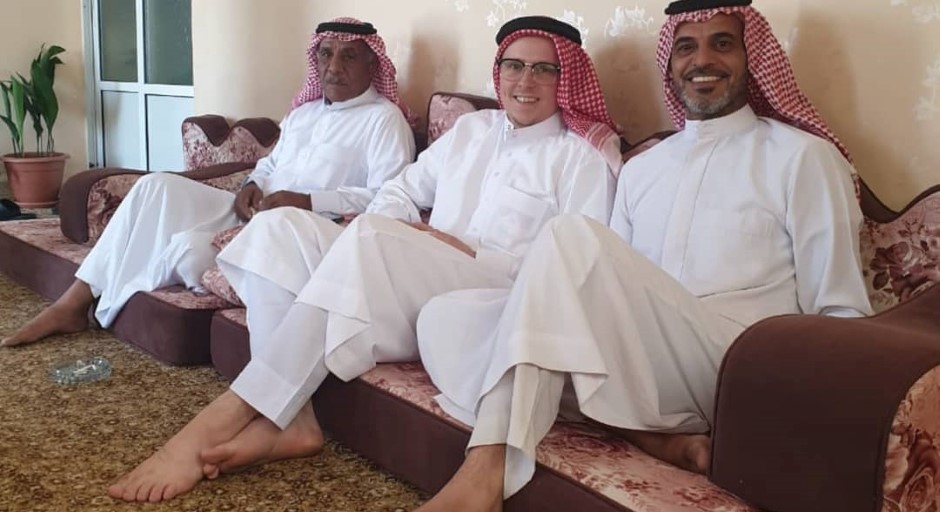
(346, 135)
(493, 180)
(748, 212)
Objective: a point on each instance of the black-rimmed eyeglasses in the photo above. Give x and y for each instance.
(544, 73)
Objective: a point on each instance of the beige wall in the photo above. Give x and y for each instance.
(24, 26)
(248, 57)
(873, 70)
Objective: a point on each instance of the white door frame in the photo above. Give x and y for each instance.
(95, 86)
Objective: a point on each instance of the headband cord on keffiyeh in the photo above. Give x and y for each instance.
(579, 93)
(383, 80)
(772, 88)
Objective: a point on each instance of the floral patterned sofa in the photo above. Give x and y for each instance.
(389, 415)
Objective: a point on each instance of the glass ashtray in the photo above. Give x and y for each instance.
(81, 371)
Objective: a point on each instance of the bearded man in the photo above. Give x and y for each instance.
(748, 212)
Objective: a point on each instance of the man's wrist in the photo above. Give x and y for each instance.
(326, 201)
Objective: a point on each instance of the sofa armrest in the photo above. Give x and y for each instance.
(73, 199)
(808, 406)
(89, 199)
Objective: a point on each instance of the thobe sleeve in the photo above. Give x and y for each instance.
(414, 189)
(823, 220)
(620, 221)
(392, 147)
(265, 166)
(588, 188)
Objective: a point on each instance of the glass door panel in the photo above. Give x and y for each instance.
(118, 39)
(168, 42)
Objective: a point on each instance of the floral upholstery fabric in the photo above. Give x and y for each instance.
(443, 111)
(236, 315)
(900, 259)
(240, 146)
(187, 299)
(103, 199)
(214, 280)
(230, 182)
(46, 235)
(222, 238)
(912, 475)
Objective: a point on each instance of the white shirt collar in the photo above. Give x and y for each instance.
(367, 97)
(738, 121)
(554, 125)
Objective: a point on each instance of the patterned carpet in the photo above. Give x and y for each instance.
(61, 446)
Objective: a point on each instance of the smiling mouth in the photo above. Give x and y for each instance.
(705, 79)
(525, 99)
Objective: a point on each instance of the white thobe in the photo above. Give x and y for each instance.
(729, 221)
(160, 235)
(490, 185)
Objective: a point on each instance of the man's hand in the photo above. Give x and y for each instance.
(447, 238)
(286, 198)
(248, 201)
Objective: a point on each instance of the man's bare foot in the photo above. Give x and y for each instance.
(176, 467)
(690, 452)
(262, 441)
(67, 314)
(476, 487)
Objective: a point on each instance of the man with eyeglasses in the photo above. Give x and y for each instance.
(493, 180)
(748, 212)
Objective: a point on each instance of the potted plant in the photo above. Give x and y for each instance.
(35, 177)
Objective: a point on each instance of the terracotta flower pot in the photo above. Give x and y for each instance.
(35, 178)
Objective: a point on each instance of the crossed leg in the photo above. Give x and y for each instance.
(262, 441)
(231, 433)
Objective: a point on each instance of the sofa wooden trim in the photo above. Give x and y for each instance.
(217, 128)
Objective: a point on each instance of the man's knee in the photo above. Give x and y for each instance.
(370, 223)
(285, 216)
(190, 254)
(157, 180)
(568, 230)
(159, 184)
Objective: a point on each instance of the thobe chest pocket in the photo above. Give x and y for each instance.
(750, 223)
(326, 167)
(517, 218)
(734, 248)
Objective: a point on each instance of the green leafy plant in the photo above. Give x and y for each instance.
(36, 97)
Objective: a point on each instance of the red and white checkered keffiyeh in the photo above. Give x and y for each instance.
(383, 80)
(579, 96)
(772, 88)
